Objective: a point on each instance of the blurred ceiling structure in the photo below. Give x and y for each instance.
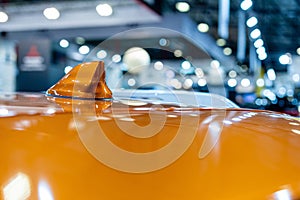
(278, 22)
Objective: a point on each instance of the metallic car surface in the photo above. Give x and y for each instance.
(121, 148)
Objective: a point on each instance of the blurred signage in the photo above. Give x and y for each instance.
(34, 55)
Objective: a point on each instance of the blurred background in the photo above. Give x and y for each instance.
(249, 47)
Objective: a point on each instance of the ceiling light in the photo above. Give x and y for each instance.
(258, 43)
(285, 59)
(116, 58)
(232, 74)
(245, 82)
(3, 17)
(215, 64)
(232, 82)
(131, 82)
(186, 65)
(262, 56)
(101, 54)
(271, 74)
(246, 4)
(252, 21)
(199, 72)
(188, 83)
(177, 53)
(64, 43)
(104, 10)
(221, 42)
(67, 69)
(261, 50)
(80, 40)
(51, 13)
(202, 82)
(255, 33)
(158, 65)
(260, 82)
(203, 27)
(182, 6)
(84, 49)
(298, 50)
(227, 51)
(175, 83)
(163, 42)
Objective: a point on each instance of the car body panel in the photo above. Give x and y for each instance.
(72, 144)
(255, 155)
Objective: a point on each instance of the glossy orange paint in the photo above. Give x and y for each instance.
(51, 150)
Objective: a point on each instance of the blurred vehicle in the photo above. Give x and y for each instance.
(79, 140)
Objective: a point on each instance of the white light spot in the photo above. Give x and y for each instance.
(199, 72)
(64, 43)
(252, 21)
(3, 112)
(271, 74)
(172, 116)
(260, 82)
(18, 188)
(84, 49)
(202, 82)
(131, 82)
(269, 94)
(68, 69)
(221, 42)
(227, 122)
(215, 64)
(246, 4)
(236, 119)
(294, 123)
(227, 51)
(116, 58)
(177, 53)
(127, 119)
(188, 83)
(203, 27)
(44, 191)
(298, 50)
(176, 83)
(245, 82)
(104, 10)
(232, 82)
(50, 111)
(258, 43)
(282, 195)
(232, 74)
(260, 50)
(158, 65)
(3, 17)
(101, 54)
(262, 56)
(51, 13)
(255, 33)
(285, 59)
(186, 65)
(182, 6)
